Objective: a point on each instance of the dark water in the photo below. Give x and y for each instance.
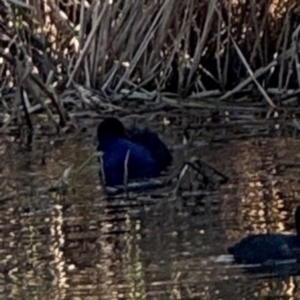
(61, 238)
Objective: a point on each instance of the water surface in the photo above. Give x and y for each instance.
(62, 238)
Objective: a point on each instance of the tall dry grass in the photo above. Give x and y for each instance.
(183, 47)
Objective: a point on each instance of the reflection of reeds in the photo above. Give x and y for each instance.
(260, 200)
(36, 223)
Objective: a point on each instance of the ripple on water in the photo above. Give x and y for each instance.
(72, 242)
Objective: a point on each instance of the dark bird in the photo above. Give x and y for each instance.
(130, 154)
(261, 248)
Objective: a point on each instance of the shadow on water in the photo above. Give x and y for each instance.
(68, 241)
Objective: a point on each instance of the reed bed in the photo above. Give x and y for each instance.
(94, 54)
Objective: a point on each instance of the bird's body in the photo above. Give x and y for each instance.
(260, 248)
(134, 155)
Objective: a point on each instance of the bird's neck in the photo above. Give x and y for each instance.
(106, 141)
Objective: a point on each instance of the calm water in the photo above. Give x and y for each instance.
(61, 238)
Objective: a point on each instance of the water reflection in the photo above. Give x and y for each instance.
(63, 240)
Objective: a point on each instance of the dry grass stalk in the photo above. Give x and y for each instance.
(168, 45)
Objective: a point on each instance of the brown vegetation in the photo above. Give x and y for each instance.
(191, 48)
